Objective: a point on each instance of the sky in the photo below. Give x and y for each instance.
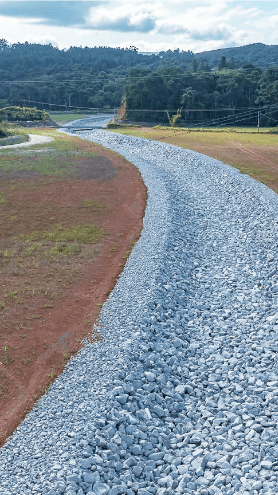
(151, 26)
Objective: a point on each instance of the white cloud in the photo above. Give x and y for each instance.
(126, 18)
(42, 40)
(157, 25)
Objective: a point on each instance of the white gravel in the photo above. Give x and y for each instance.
(181, 396)
(33, 139)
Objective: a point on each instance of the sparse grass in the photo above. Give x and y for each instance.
(66, 358)
(3, 386)
(7, 253)
(57, 159)
(87, 234)
(213, 136)
(22, 361)
(95, 206)
(113, 247)
(127, 253)
(62, 250)
(31, 250)
(12, 294)
(5, 356)
(68, 117)
(14, 216)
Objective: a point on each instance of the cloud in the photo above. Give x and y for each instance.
(211, 34)
(125, 18)
(51, 13)
(197, 25)
(213, 24)
(43, 40)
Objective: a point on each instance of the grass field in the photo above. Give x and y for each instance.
(252, 152)
(67, 117)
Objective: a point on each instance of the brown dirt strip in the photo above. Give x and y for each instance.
(254, 153)
(51, 304)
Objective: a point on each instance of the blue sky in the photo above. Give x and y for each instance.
(152, 25)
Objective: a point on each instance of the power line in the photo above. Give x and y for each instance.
(25, 100)
(264, 107)
(224, 120)
(228, 120)
(231, 119)
(247, 114)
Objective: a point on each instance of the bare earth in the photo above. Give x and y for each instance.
(52, 292)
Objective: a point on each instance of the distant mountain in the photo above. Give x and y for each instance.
(256, 53)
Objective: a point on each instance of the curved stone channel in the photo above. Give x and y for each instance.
(181, 394)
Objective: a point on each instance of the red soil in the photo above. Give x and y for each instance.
(56, 302)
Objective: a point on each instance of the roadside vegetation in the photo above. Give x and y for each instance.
(16, 113)
(68, 116)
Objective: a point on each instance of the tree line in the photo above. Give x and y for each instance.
(202, 95)
(102, 77)
(80, 77)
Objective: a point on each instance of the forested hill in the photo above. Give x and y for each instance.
(257, 53)
(102, 77)
(83, 77)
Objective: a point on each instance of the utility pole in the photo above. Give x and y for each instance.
(258, 120)
(114, 115)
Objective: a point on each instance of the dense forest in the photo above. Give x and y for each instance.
(235, 81)
(259, 54)
(203, 97)
(80, 77)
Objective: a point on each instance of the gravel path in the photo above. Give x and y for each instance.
(181, 394)
(34, 139)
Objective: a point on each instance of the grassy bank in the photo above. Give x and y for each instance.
(67, 117)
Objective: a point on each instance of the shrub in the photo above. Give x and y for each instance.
(13, 114)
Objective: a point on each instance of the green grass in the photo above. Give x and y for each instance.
(13, 113)
(42, 163)
(254, 130)
(266, 137)
(87, 234)
(67, 117)
(57, 159)
(62, 250)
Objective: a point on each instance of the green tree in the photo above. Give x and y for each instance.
(222, 64)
